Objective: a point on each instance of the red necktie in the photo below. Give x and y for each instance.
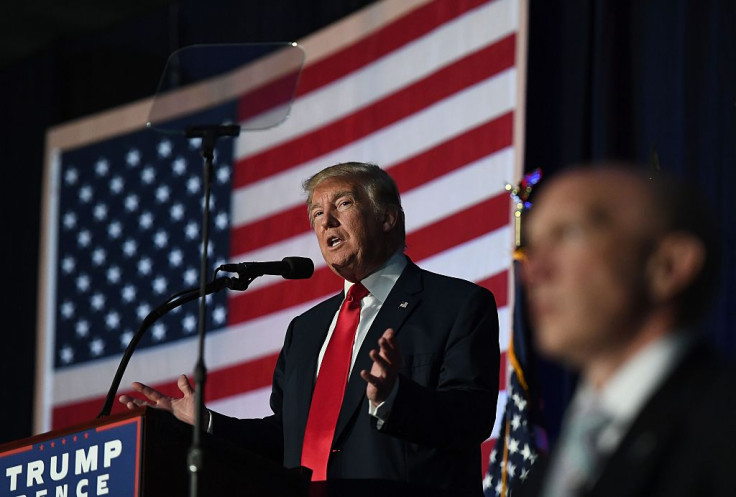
(329, 389)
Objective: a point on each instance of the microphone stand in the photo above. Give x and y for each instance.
(173, 302)
(209, 135)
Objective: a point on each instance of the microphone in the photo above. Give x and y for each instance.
(291, 268)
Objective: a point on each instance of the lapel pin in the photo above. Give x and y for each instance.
(403, 305)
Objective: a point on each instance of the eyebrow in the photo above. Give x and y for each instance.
(336, 195)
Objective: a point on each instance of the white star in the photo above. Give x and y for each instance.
(223, 175)
(524, 474)
(83, 282)
(195, 143)
(71, 176)
(510, 469)
(85, 194)
(97, 302)
(499, 488)
(219, 315)
(191, 230)
(84, 238)
(67, 309)
(117, 184)
(68, 264)
(66, 354)
(82, 328)
(113, 274)
(114, 229)
(133, 158)
(148, 175)
(142, 311)
(513, 446)
(190, 277)
(210, 248)
(96, 347)
(161, 239)
(125, 338)
(128, 293)
(221, 221)
(69, 220)
(526, 452)
(130, 247)
(515, 422)
(131, 202)
(164, 148)
(144, 266)
(193, 185)
(145, 220)
(99, 256)
(102, 166)
(112, 320)
(175, 257)
(177, 212)
(159, 331)
(100, 212)
(189, 323)
(179, 166)
(162, 193)
(159, 285)
(493, 455)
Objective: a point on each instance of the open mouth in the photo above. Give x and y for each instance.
(333, 241)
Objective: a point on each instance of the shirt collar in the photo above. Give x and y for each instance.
(381, 281)
(625, 393)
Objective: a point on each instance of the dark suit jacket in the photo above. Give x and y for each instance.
(682, 444)
(447, 330)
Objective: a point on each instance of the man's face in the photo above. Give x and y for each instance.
(586, 271)
(351, 236)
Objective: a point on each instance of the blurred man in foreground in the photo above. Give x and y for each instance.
(620, 269)
(394, 379)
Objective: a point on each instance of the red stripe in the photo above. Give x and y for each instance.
(425, 242)
(498, 284)
(268, 96)
(460, 227)
(485, 454)
(240, 378)
(471, 69)
(443, 158)
(382, 41)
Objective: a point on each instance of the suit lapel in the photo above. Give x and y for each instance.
(404, 297)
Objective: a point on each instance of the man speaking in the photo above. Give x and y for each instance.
(396, 378)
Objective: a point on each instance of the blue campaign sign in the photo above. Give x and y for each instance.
(102, 461)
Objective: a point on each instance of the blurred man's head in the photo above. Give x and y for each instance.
(615, 260)
(355, 211)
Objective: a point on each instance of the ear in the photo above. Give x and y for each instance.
(674, 264)
(390, 219)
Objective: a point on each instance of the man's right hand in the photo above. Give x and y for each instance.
(182, 407)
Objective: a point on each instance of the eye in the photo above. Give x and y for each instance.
(345, 203)
(316, 214)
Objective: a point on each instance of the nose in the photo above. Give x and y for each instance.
(328, 220)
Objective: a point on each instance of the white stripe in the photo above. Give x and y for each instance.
(459, 113)
(475, 29)
(252, 404)
(500, 407)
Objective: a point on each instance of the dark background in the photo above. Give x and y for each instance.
(650, 80)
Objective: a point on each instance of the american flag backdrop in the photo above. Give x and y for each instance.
(429, 90)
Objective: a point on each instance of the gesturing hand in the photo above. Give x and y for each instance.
(182, 407)
(386, 363)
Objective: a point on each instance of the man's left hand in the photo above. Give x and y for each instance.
(385, 369)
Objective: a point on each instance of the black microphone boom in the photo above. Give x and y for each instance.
(291, 268)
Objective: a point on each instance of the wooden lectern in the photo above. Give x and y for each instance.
(141, 453)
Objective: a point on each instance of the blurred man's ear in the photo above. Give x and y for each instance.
(674, 265)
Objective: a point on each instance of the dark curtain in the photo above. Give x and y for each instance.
(649, 81)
